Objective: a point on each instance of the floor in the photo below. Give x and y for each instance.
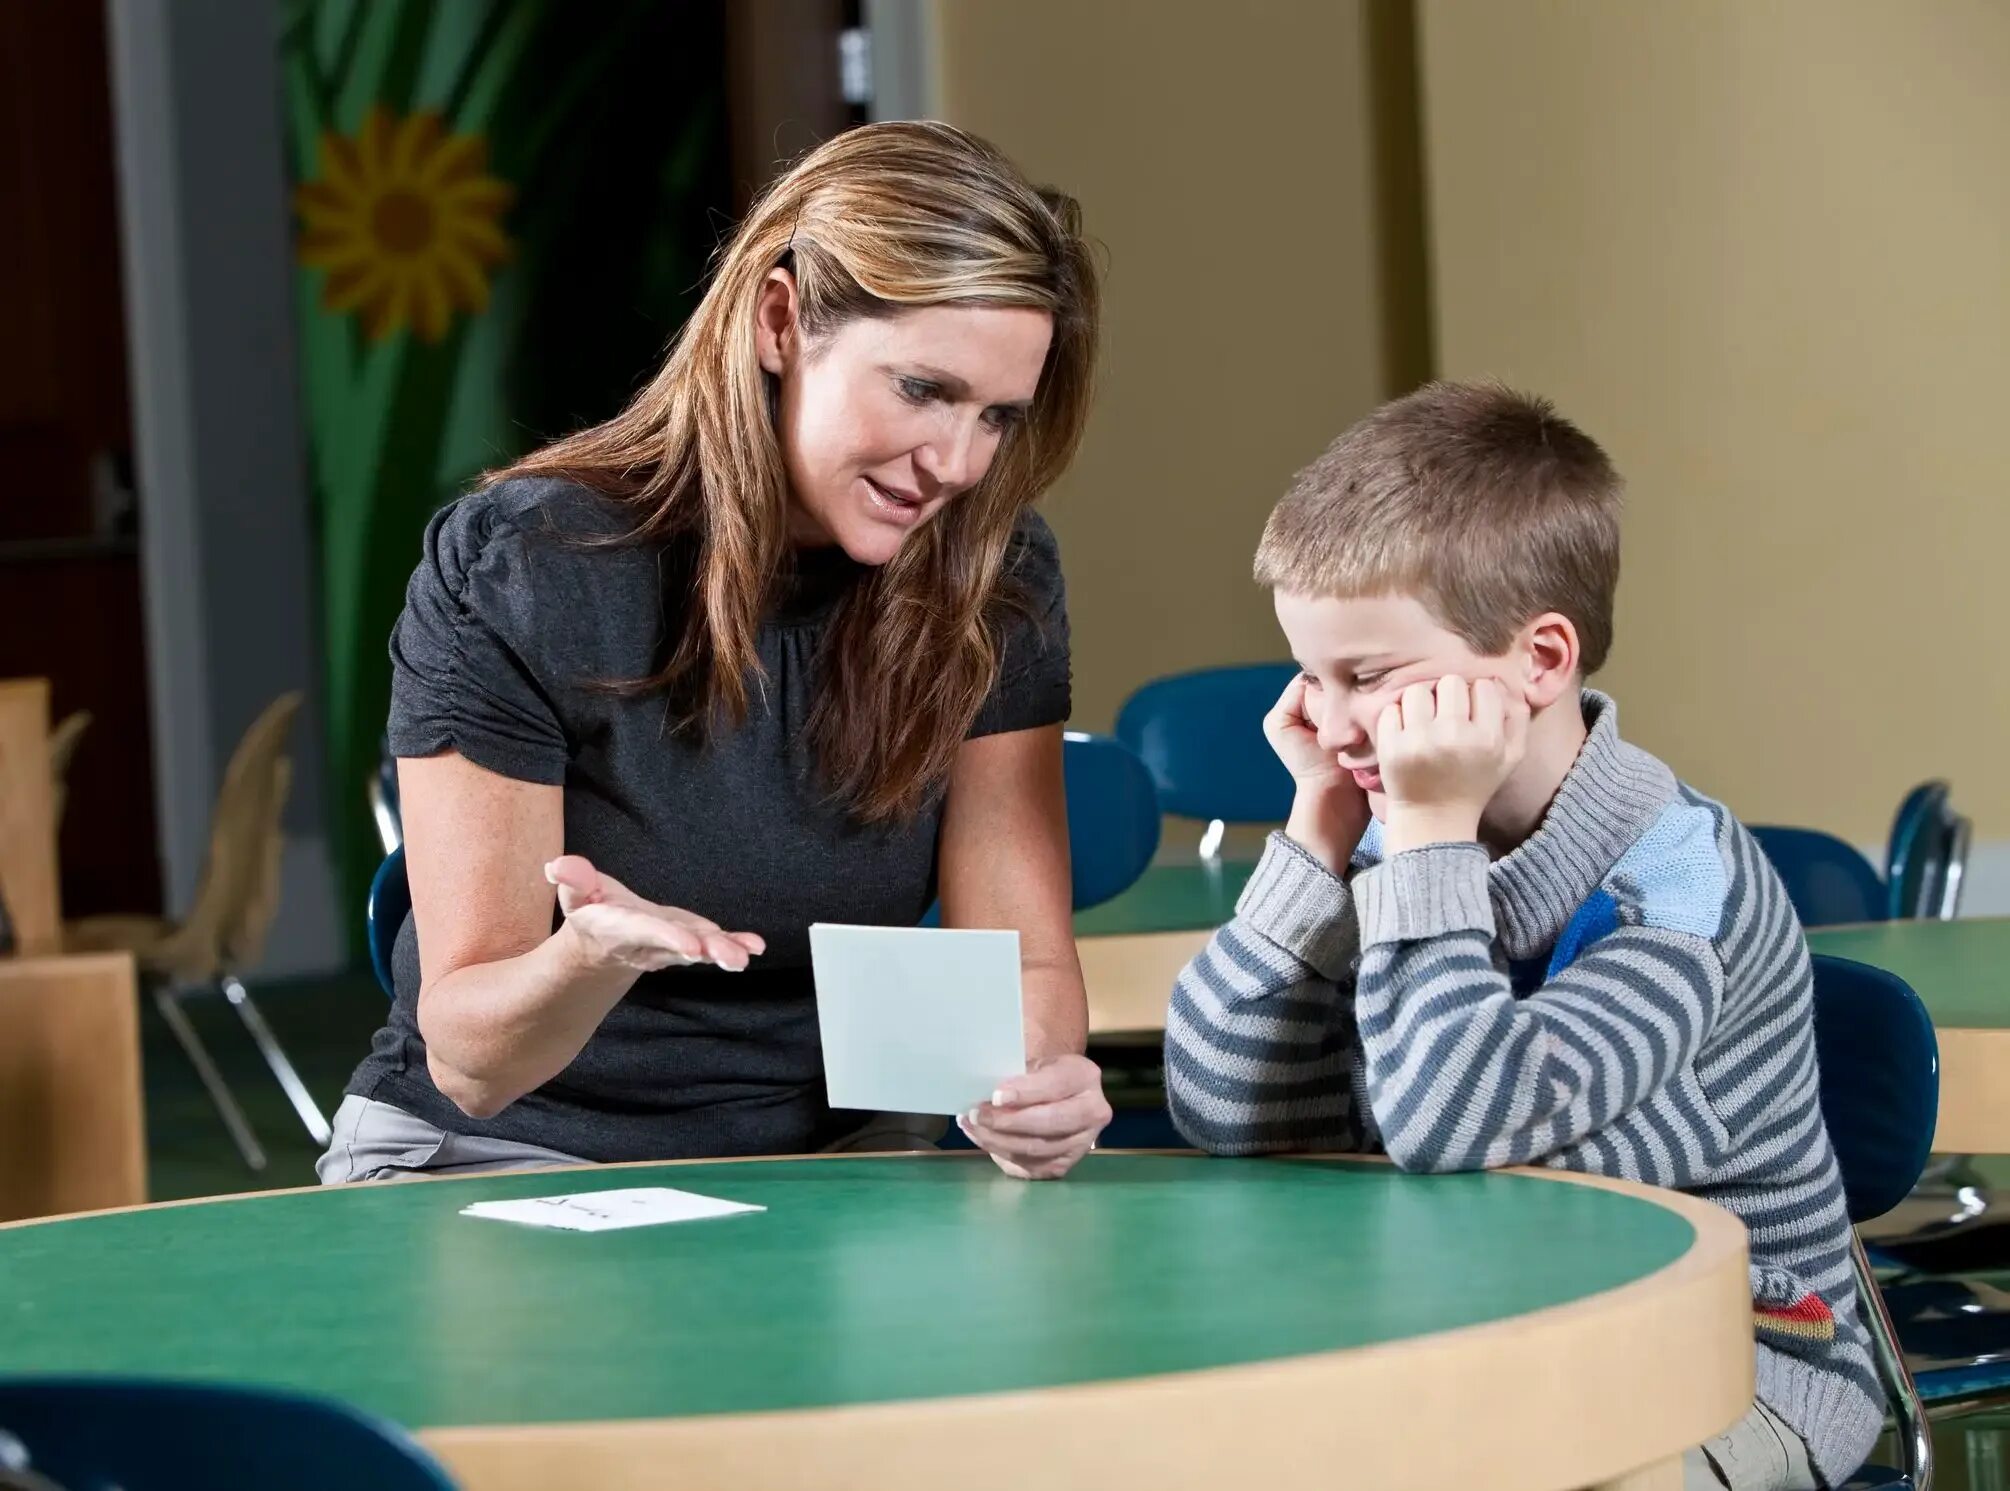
(325, 1026)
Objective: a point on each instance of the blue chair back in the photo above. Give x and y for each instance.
(1923, 859)
(100, 1433)
(1113, 819)
(1113, 816)
(390, 903)
(1829, 883)
(1201, 735)
(1880, 1080)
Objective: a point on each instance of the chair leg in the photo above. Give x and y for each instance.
(1915, 1435)
(275, 1057)
(1985, 1459)
(169, 1004)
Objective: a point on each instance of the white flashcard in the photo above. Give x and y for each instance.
(915, 1019)
(607, 1211)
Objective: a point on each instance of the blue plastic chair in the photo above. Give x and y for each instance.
(390, 903)
(1113, 819)
(1113, 816)
(123, 1434)
(1927, 855)
(1942, 1345)
(1201, 735)
(1829, 883)
(1880, 1091)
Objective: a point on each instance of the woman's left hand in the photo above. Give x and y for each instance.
(1037, 1126)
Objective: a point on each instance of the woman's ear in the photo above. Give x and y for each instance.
(776, 336)
(1549, 644)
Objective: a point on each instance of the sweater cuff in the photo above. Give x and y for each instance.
(1424, 893)
(1296, 902)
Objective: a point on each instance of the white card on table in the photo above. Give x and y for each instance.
(605, 1211)
(917, 1020)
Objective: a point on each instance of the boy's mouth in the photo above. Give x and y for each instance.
(1367, 778)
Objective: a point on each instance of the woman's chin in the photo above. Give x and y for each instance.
(871, 544)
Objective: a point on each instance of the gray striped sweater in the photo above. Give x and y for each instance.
(1627, 993)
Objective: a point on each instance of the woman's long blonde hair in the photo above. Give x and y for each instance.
(881, 219)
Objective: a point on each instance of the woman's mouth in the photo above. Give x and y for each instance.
(893, 506)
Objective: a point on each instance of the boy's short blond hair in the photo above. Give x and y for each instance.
(1485, 504)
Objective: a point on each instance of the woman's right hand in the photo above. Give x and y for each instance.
(1329, 812)
(616, 928)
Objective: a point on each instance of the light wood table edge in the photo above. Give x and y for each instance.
(1129, 977)
(1973, 1116)
(1607, 1389)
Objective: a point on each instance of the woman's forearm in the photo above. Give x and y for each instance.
(1056, 1007)
(495, 1031)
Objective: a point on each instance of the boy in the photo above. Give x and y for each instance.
(1493, 932)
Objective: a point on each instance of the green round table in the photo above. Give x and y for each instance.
(1961, 970)
(922, 1321)
(1169, 898)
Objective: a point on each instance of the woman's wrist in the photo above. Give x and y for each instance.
(577, 962)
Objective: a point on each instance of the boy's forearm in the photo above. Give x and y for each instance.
(1260, 1044)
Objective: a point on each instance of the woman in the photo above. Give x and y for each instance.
(783, 642)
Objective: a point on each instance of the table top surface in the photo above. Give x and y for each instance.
(1169, 898)
(869, 1280)
(1961, 969)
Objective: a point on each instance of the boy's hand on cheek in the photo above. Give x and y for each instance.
(1444, 750)
(1329, 813)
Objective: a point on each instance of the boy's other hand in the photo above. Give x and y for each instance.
(1444, 750)
(1329, 813)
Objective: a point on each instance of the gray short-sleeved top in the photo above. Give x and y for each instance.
(506, 626)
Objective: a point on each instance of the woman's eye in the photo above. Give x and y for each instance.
(918, 390)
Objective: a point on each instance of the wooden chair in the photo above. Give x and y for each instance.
(63, 741)
(224, 931)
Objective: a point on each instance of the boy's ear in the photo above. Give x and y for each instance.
(1549, 643)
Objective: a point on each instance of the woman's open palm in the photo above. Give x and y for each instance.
(623, 930)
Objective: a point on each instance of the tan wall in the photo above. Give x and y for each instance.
(1762, 251)
(1224, 156)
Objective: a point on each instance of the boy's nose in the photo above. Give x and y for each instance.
(1338, 732)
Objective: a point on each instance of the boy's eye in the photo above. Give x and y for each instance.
(1369, 680)
(1311, 682)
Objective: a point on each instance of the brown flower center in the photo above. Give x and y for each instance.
(402, 222)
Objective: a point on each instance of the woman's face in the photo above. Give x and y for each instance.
(883, 422)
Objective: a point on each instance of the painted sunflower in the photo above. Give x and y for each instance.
(405, 221)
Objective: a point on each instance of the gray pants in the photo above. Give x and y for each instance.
(1758, 1453)
(376, 1141)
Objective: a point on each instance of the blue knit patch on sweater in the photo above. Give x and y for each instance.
(1674, 877)
(1596, 918)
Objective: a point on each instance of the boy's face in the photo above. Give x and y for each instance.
(1359, 655)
